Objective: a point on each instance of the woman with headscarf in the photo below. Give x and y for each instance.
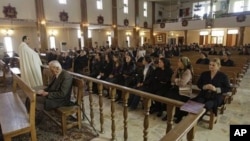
(182, 88)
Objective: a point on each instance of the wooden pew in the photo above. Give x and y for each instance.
(3, 72)
(15, 119)
(67, 111)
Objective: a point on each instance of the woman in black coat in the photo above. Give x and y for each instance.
(213, 84)
(161, 82)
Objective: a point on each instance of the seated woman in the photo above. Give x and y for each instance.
(203, 59)
(115, 75)
(161, 83)
(128, 71)
(226, 61)
(182, 88)
(213, 84)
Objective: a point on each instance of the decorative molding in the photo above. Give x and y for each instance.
(162, 25)
(9, 11)
(100, 19)
(126, 22)
(145, 24)
(241, 18)
(63, 16)
(184, 22)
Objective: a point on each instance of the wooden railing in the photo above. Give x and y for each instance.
(188, 124)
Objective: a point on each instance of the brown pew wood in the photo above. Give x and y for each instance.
(14, 118)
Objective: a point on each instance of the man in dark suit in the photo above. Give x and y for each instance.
(58, 92)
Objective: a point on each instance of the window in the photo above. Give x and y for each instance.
(208, 9)
(128, 41)
(233, 31)
(238, 6)
(89, 34)
(125, 6)
(80, 38)
(145, 9)
(99, 4)
(52, 42)
(142, 40)
(109, 40)
(63, 1)
(8, 45)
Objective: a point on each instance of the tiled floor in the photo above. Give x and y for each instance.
(238, 112)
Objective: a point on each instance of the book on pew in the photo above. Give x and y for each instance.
(192, 107)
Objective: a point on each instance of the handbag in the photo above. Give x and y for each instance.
(210, 94)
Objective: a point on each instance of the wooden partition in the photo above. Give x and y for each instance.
(188, 124)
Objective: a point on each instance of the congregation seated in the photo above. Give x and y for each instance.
(203, 59)
(65, 61)
(80, 61)
(212, 51)
(244, 51)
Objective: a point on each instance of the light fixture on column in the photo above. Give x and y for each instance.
(85, 24)
(114, 26)
(7, 32)
(43, 22)
(108, 33)
(142, 33)
(128, 33)
(53, 32)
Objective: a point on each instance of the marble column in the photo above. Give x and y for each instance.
(185, 37)
(136, 29)
(84, 22)
(114, 23)
(41, 25)
(152, 39)
(240, 40)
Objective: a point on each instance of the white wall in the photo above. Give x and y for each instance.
(52, 10)
(131, 13)
(25, 8)
(68, 35)
(93, 12)
(19, 32)
(142, 19)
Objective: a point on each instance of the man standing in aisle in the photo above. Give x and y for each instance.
(30, 64)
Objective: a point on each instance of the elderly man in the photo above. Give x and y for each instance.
(58, 92)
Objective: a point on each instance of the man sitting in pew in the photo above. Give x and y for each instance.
(58, 92)
(226, 61)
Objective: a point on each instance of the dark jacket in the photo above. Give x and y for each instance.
(203, 61)
(59, 91)
(228, 63)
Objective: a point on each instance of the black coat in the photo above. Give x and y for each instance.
(59, 91)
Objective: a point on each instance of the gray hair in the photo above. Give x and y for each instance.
(55, 63)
